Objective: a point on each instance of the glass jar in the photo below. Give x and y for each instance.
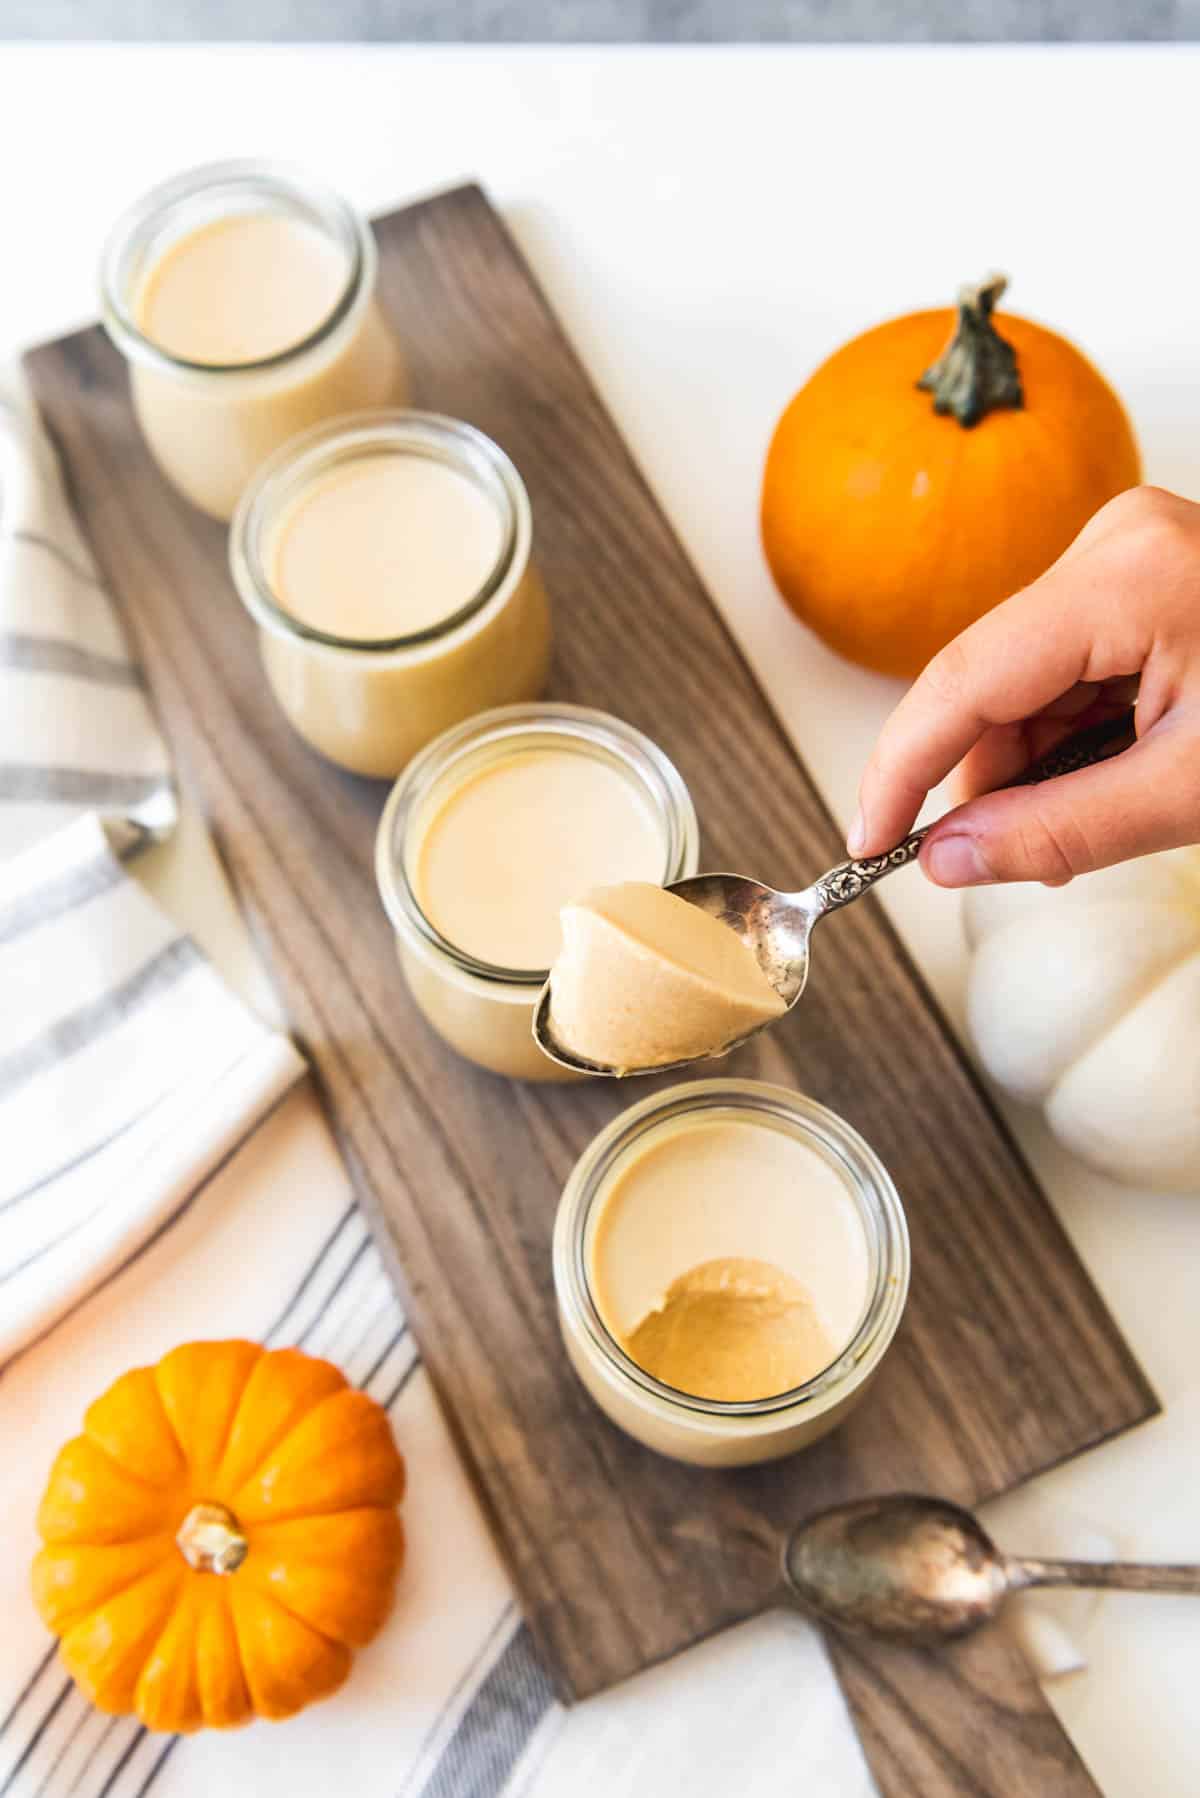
(210, 425)
(712, 1432)
(371, 704)
(486, 1011)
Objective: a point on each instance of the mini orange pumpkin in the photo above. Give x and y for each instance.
(892, 519)
(220, 1537)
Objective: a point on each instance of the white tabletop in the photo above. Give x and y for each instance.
(709, 224)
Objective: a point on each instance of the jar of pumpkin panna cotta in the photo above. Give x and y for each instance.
(386, 559)
(489, 832)
(731, 1262)
(242, 294)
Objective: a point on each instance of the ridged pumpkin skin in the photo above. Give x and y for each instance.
(308, 1472)
(890, 527)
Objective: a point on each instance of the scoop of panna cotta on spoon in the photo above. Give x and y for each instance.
(644, 980)
(651, 978)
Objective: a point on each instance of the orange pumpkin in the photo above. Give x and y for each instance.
(221, 1536)
(910, 485)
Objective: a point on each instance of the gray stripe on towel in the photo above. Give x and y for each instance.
(80, 1028)
(28, 654)
(389, 1348)
(137, 1735)
(156, 1769)
(113, 1727)
(47, 1718)
(401, 1385)
(85, 1715)
(42, 1667)
(494, 1730)
(36, 540)
(355, 1261)
(45, 903)
(270, 1337)
(78, 786)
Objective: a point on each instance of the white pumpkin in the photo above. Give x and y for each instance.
(1085, 999)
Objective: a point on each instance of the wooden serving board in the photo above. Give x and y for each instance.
(1007, 1361)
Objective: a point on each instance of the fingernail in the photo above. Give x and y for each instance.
(856, 836)
(956, 862)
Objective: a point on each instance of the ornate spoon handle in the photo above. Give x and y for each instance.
(1122, 1576)
(850, 880)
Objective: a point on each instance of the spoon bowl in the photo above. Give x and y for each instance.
(909, 1567)
(777, 926)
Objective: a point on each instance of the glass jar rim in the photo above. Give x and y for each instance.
(839, 1144)
(289, 189)
(583, 728)
(303, 459)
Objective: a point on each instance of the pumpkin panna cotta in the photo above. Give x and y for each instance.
(221, 1537)
(929, 469)
(730, 1266)
(644, 979)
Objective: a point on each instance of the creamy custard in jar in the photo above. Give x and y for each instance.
(385, 544)
(386, 559)
(729, 1259)
(731, 1262)
(243, 296)
(486, 837)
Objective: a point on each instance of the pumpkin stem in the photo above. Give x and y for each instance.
(977, 371)
(210, 1539)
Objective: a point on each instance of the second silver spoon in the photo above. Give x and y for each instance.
(922, 1570)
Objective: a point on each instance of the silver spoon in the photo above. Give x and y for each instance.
(777, 926)
(922, 1570)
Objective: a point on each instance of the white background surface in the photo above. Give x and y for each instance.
(709, 224)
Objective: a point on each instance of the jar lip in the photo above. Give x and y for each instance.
(880, 1209)
(303, 459)
(288, 188)
(580, 727)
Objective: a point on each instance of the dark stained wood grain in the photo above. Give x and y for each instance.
(1007, 1361)
(967, 1719)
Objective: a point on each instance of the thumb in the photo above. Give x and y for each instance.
(1147, 798)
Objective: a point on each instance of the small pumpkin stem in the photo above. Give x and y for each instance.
(210, 1539)
(977, 371)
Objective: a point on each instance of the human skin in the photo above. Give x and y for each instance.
(1114, 620)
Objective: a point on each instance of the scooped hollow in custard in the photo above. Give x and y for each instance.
(644, 979)
(733, 1328)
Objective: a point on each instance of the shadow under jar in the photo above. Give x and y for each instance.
(489, 833)
(386, 559)
(242, 295)
(783, 1232)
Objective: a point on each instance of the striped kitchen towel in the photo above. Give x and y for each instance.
(131, 1083)
(165, 1177)
(76, 730)
(124, 1062)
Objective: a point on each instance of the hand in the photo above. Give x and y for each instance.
(1117, 616)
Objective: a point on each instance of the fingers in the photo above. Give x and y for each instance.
(1006, 750)
(1147, 798)
(998, 758)
(1015, 660)
(1126, 582)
